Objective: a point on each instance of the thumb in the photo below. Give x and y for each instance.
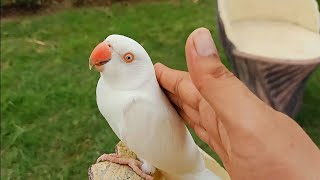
(226, 94)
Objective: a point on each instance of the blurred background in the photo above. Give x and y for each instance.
(50, 124)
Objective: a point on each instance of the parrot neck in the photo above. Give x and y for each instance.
(126, 82)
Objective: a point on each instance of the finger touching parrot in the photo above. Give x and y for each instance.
(131, 100)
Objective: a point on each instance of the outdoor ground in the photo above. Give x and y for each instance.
(50, 125)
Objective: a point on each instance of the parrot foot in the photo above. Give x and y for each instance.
(133, 163)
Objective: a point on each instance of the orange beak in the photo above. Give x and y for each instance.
(100, 55)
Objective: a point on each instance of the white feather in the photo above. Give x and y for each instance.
(144, 119)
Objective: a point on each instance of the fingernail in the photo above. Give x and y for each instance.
(203, 42)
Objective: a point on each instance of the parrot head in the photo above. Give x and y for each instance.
(122, 62)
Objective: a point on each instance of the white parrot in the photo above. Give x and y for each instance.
(131, 100)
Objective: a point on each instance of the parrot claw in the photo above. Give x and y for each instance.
(134, 164)
(108, 157)
(137, 168)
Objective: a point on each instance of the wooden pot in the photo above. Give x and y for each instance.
(279, 82)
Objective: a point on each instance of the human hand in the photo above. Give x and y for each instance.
(253, 140)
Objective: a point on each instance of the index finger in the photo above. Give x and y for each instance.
(179, 84)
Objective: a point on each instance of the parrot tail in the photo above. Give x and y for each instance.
(206, 174)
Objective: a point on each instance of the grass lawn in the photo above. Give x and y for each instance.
(50, 125)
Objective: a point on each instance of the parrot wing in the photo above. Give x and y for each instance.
(155, 132)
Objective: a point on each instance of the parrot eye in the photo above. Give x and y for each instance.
(128, 57)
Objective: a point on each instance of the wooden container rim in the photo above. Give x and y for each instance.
(253, 57)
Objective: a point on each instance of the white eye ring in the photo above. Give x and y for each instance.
(128, 57)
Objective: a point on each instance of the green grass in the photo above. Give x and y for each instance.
(50, 125)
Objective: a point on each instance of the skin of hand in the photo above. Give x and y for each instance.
(253, 140)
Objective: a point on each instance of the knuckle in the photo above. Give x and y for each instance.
(198, 100)
(177, 86)
(216, 77)
(180, 104)
(221, 72)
